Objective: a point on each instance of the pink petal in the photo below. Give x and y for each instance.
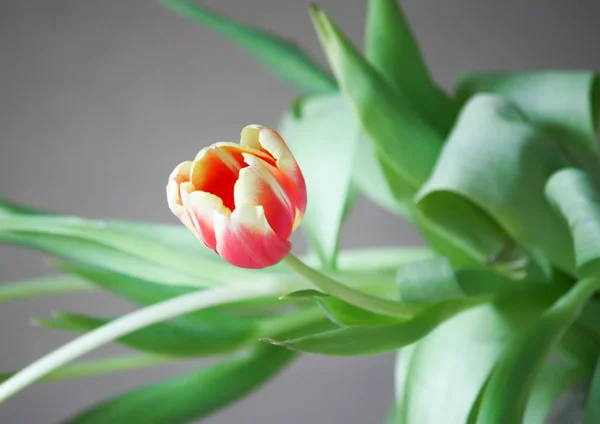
(246, 240)
(265, 139)
(261, 184)
(202, 207)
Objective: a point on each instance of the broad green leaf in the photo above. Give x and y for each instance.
(378, 182)
(369, 340)
(323, 135)
(342, 313)
(102, 366)
(507, 393)
(575, 195)
(192, 395)
(434, 280)
(553, 381)
(44, 286)
(392, 49)
(97, 254)
(175, 236)
(439, 378)
(592, 406)
(282, 57)
(130, 244)
(487, 190)
(164, 339)
(403, 138)
(564, 103)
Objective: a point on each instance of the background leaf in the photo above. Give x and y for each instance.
(323, 136)
(507, 392)
(392, 49)
(282, 57)
(43, 286)
(101, 366)
(592, 406)
(341, 313)
(564, 103)
(487, 189)
(434, 280)
(576, 196)
(438, 379)
(386, 115)
(192, 395)
(369, 340)
(552, 382)
(164, 339)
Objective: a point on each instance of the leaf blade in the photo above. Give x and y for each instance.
(282, 57)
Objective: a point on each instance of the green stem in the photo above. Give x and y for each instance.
(353, 296)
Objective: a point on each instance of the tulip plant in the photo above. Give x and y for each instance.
(493, 321)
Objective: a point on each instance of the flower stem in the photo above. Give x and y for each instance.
(353, 296)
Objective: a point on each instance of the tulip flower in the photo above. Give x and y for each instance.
(243, 200)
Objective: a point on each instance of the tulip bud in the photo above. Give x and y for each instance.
(241, 200)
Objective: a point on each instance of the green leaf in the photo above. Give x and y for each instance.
(340, 312)
(192, 395)
(576, 196)
(98, 255)
(551, 383)
(95, 242)
(129, 323)
(592, 405)
(403, 138)
(392, 49)
(282, 57)
(145, 293)
(564, 103)
(439, 378)
(102, 366)
(212, 338)
(378, 182)
(323, 135)
(369, 340)
(434, 280)
(487, 190)
(507, 393)
(44, 286)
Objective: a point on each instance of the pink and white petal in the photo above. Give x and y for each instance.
(181, 172)
(260, 137)
(177, 208)
(246, 240)
(261, 184)
(202, 208)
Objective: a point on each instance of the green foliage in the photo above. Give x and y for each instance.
(375, 339)
(487, 189)
(564, 103)
(212, 338)
(342, 313)
(494, 321)
(592, 408)
(192, 395)
(386, 115)
(282, 57)
(323, 135)
(392, 49)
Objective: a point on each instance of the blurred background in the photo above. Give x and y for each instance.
(100, 100)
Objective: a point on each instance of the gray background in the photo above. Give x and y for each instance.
(99, 100)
